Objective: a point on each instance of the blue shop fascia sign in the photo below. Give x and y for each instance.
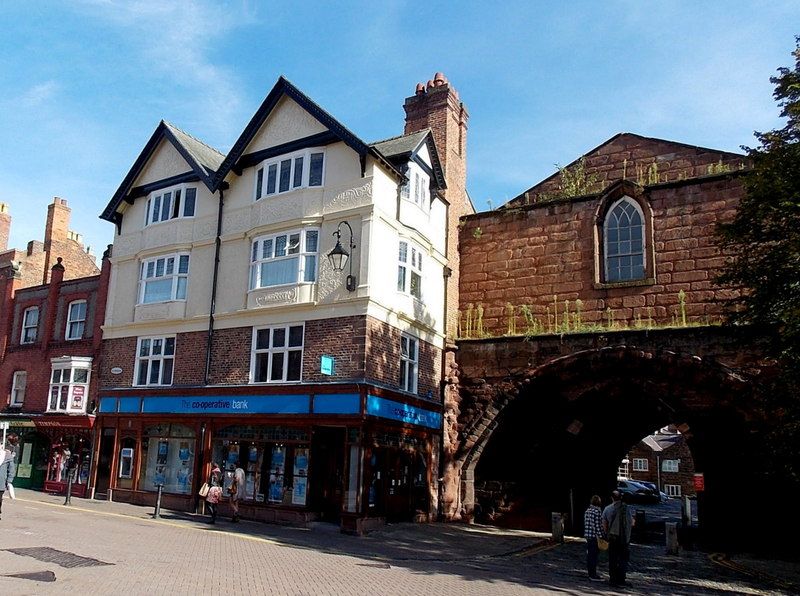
(324, 403)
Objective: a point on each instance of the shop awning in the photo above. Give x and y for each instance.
(65, 421)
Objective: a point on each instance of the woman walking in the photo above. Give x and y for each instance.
(214, 491)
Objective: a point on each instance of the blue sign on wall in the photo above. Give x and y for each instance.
(337, 403)
(227, 404)
(395, 410)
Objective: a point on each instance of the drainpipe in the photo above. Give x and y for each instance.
(212, 306)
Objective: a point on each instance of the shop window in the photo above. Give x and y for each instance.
(670, 465)
(168, 456)
(164, 278)
(283, 259)
(277, 354)
(18, 384)
(672, 490)
(30, 324)
(409, 270)
(640, 464)
(409, 363)
(275, 472)
(69, 384)
(69, 456)
(155, 357)
(76, 319)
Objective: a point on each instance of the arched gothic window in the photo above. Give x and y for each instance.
(624, 236)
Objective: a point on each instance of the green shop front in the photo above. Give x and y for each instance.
(32, 450)
(350, 454)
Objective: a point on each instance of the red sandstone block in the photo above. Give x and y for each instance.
(689, 276)
(632, 301)
(687, 265)
(664, 278)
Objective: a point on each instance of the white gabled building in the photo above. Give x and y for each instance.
(230, 336)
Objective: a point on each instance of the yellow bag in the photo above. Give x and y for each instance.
(602, 544)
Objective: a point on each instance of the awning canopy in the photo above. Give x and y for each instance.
(64, 421)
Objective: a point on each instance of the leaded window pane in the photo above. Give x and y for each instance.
(315, 170)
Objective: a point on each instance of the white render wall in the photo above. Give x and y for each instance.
(368, 204)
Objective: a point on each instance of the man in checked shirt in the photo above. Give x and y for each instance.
(592, 530)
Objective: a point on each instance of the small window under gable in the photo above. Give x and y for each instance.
(289, 172)
(171, 203)
(417, 187)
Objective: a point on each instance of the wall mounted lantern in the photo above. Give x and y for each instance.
(339, 256)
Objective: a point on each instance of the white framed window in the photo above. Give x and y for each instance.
(417, 186)
(30, 325)
(18, 384)
(289, 172)
(640, 464)
(624, 246)
(76, 320)
(155, 360)
(69, 384)
(164, 278)
(672, 490)
(285, 258)
(171, 203)
(409, 270)
(670, 465)
(277, 354)
(409, 363)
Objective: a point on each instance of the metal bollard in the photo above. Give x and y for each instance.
(157, 513)
(68, 500)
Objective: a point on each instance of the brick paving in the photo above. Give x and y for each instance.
(183, 554)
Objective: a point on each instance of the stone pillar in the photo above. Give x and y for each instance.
(5, 226)
(671, 531)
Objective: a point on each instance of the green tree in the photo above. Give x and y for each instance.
(764, 242)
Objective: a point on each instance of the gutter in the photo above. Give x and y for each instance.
(212, 306)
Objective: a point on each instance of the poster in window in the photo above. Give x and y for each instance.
(253, 456)
(63, 400)
(183, 476)
(160, 475)
(163, 448)
(301, 462)
(233, 453)
(78, 392)
(183, 451)
(300, 489)
(278, 460)
(276, 489)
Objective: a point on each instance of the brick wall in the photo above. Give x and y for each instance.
(344, 338)
(538, 255)
(230, 356)
(120, 352)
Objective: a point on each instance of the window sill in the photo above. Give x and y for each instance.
(299, 293)
(286, 192)
(15, 406)
(648, 281)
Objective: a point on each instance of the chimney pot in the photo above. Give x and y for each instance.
(430, 84)
(439, 79)
(420, 89)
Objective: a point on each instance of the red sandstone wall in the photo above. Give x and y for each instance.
(530, 255)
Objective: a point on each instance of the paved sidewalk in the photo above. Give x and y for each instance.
(110, 548)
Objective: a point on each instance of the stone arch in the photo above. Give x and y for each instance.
(684, 386)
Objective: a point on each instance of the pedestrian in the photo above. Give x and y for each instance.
(617, 524)
(8, 468)
(593, 531)
(214, 491)
(236, 489)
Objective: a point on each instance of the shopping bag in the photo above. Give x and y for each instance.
(204, 490)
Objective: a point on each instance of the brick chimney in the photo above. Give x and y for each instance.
(437, 106)
(56, 231)
(5, 226)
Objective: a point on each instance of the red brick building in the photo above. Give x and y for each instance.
(665, 460)
(49, 341)
(621, 238)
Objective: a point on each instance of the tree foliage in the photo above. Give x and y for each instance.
(764, 241)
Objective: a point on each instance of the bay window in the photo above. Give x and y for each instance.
(289, 172)
(171, 203)
(286, 258)
(69, 384)
(164, 278)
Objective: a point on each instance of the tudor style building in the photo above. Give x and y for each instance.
(284, 306)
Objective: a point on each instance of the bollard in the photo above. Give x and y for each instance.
(68, 500)
(157, 513)
(557, 522)
(671, 532)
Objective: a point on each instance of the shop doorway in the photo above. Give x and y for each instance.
(104, 459)
(327, 479)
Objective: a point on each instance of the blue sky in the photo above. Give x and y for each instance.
(84, 83)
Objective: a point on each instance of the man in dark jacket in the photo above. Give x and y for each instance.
(8, 467)
(617, 523)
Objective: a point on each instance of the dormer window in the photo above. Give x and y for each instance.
(417, 186)
(290, 172)
(171, 203)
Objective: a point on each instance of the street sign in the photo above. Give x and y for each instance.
(699, 482)
(4, 425)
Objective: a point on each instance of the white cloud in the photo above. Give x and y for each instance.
(37, 95)
(175, 40)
